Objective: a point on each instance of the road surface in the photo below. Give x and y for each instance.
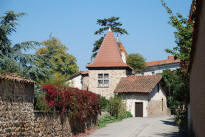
(163, 126)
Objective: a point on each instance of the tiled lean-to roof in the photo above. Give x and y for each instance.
(15, 77)
(79, 73)
(137, 84)
(170, 60)
(109, 54)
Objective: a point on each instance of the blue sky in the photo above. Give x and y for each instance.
(74, 23)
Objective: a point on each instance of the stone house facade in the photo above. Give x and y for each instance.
(108, 67)
(143, 95)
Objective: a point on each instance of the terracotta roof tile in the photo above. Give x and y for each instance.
(170, 60)
(109, 54)
(79, 73)
(15, 77)
(138, 84)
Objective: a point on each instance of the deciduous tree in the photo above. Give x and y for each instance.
(137, 62)
(54, 56)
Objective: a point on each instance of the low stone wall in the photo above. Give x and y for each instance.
(51, 124)
(19, 119)
(16, 119)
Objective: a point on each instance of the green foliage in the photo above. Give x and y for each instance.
(102, 122)
(183, 36)
(60, 64)
(13, 57)
(137, 62)
(104, 103)
(117, 108)
(40, 103)
(178, 92)
(106, 23)
(178, 81)
(110, 22)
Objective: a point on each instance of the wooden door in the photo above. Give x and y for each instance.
(138, 109)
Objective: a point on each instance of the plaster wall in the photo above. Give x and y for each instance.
(160, 68)
(131, 98)
(76, 82)
(197, 78)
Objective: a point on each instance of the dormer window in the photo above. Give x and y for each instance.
(103, 80)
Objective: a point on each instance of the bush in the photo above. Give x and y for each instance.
(114, 106)
(104, 103)
(127, 114)
(80, 104)
(117, 108)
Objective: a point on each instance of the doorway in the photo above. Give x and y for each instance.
(138, 109)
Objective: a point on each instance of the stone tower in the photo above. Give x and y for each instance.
(108, 67)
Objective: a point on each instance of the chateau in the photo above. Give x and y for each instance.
(109, 74)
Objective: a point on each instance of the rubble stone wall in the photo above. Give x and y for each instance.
(51, 124)
(16, 119)
(19, 119)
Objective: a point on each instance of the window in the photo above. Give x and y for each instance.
(152, 72)
(103, 80)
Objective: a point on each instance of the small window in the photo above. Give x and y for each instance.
(106, 76)
(106, 83)
(100, 83)
(100, 76)
(153, 72)
(103, 80)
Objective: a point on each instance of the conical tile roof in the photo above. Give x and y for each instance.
(109, 54)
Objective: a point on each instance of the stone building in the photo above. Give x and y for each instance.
(108, 74)
(108, 67)
(143, 95)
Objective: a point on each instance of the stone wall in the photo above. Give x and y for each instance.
(16, 119)
(114, 78)
(157, 104)
(51, 124)
(19, 119)
(131, 98)
(17, 116)
(156, 108)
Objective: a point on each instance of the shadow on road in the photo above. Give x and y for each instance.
(182, 132)
(172, 123)
(174, 134)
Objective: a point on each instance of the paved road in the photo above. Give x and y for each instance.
(163, 126)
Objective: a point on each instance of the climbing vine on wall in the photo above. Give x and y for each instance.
(80, 104)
